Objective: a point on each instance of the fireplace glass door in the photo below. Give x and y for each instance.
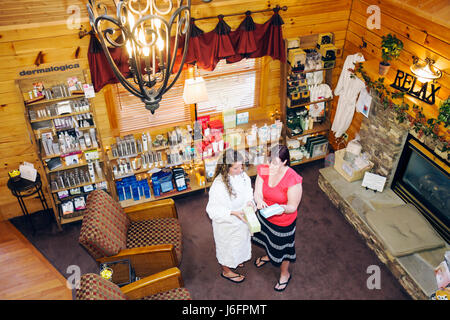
(422, 180)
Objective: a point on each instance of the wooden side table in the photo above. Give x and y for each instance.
(123, 272)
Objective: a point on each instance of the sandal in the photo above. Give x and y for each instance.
(259, 262)
(230, 278)
(285, 284)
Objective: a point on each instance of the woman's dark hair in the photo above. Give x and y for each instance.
(280, 151)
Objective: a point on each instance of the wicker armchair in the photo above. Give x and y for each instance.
(148, 235)
(164, 285)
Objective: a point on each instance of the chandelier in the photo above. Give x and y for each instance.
(151, 31)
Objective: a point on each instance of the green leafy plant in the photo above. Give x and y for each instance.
(444, 113)
(390, 48)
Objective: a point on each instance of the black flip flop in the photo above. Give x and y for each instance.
(260, 260)
(229, 278)
(281, 284)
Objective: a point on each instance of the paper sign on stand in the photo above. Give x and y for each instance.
(373, 181)
(28, 172)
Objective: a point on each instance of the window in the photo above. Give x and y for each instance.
(231, 85)
(133, 116)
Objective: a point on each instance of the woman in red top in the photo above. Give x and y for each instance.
(278, 183)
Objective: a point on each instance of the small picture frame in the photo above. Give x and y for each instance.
(320, 149)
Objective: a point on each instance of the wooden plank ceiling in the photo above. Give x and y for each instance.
(22, 12)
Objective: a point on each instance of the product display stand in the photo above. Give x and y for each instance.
(305, 96)
(62, 121)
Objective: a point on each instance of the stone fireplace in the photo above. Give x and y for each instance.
(385, 140)
(389, 144)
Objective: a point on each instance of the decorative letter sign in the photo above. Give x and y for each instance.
(406, 83)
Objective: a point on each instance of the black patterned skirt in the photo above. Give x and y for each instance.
(278, 241)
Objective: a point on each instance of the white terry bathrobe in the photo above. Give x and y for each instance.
(231, 235)
(347, 89)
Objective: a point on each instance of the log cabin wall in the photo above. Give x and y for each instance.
(422, 26)
(29, 27)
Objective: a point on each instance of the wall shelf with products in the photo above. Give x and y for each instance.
(148, 167)
(306, 95)
(63, 125)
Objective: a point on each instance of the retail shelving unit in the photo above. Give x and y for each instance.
(295, 130)
(62, 123)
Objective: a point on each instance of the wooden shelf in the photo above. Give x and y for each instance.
(73, 97)
(309, 103)
(319, 127)
(304, 160)
(309, 71)
(60, 116)
(73, 219)
(79, 185)
(82, 163)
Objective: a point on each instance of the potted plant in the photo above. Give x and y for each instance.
(390, 50)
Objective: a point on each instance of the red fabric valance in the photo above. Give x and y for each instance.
(249, 40)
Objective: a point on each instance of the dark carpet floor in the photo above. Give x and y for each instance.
(332, 259)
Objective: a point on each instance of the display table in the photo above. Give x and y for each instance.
(23, 188)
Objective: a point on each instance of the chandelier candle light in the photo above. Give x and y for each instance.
(151, 31)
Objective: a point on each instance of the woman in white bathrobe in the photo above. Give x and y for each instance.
(230, 192)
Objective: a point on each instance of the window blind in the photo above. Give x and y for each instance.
(231, 85)
(133, 116)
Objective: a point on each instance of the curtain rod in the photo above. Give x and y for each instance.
(284, 8)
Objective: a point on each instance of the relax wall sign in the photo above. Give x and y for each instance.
(406, 82)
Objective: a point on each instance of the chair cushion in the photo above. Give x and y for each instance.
(104, 228)
(94, 287)
(154, 232)
(174, 294)
(404, 230)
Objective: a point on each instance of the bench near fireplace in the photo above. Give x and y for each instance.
(414, 271)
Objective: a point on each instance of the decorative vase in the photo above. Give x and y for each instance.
(384, 68)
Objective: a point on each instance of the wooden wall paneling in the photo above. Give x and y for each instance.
(356, 31)
(412, 30)
(24, 35)
(412, 17)
(414, 40)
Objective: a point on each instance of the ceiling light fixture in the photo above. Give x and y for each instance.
(151, 31)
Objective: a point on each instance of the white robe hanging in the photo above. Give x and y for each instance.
(231, 235)
(347, 89)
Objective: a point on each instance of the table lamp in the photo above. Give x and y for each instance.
(195, 92)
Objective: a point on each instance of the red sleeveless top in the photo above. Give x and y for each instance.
(278, 194)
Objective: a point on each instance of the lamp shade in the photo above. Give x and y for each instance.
(195, 91)
(425, 70)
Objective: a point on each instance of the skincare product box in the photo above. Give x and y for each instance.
(252, 220)
(272, 210)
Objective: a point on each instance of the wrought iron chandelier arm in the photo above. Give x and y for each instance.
(183, 28)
